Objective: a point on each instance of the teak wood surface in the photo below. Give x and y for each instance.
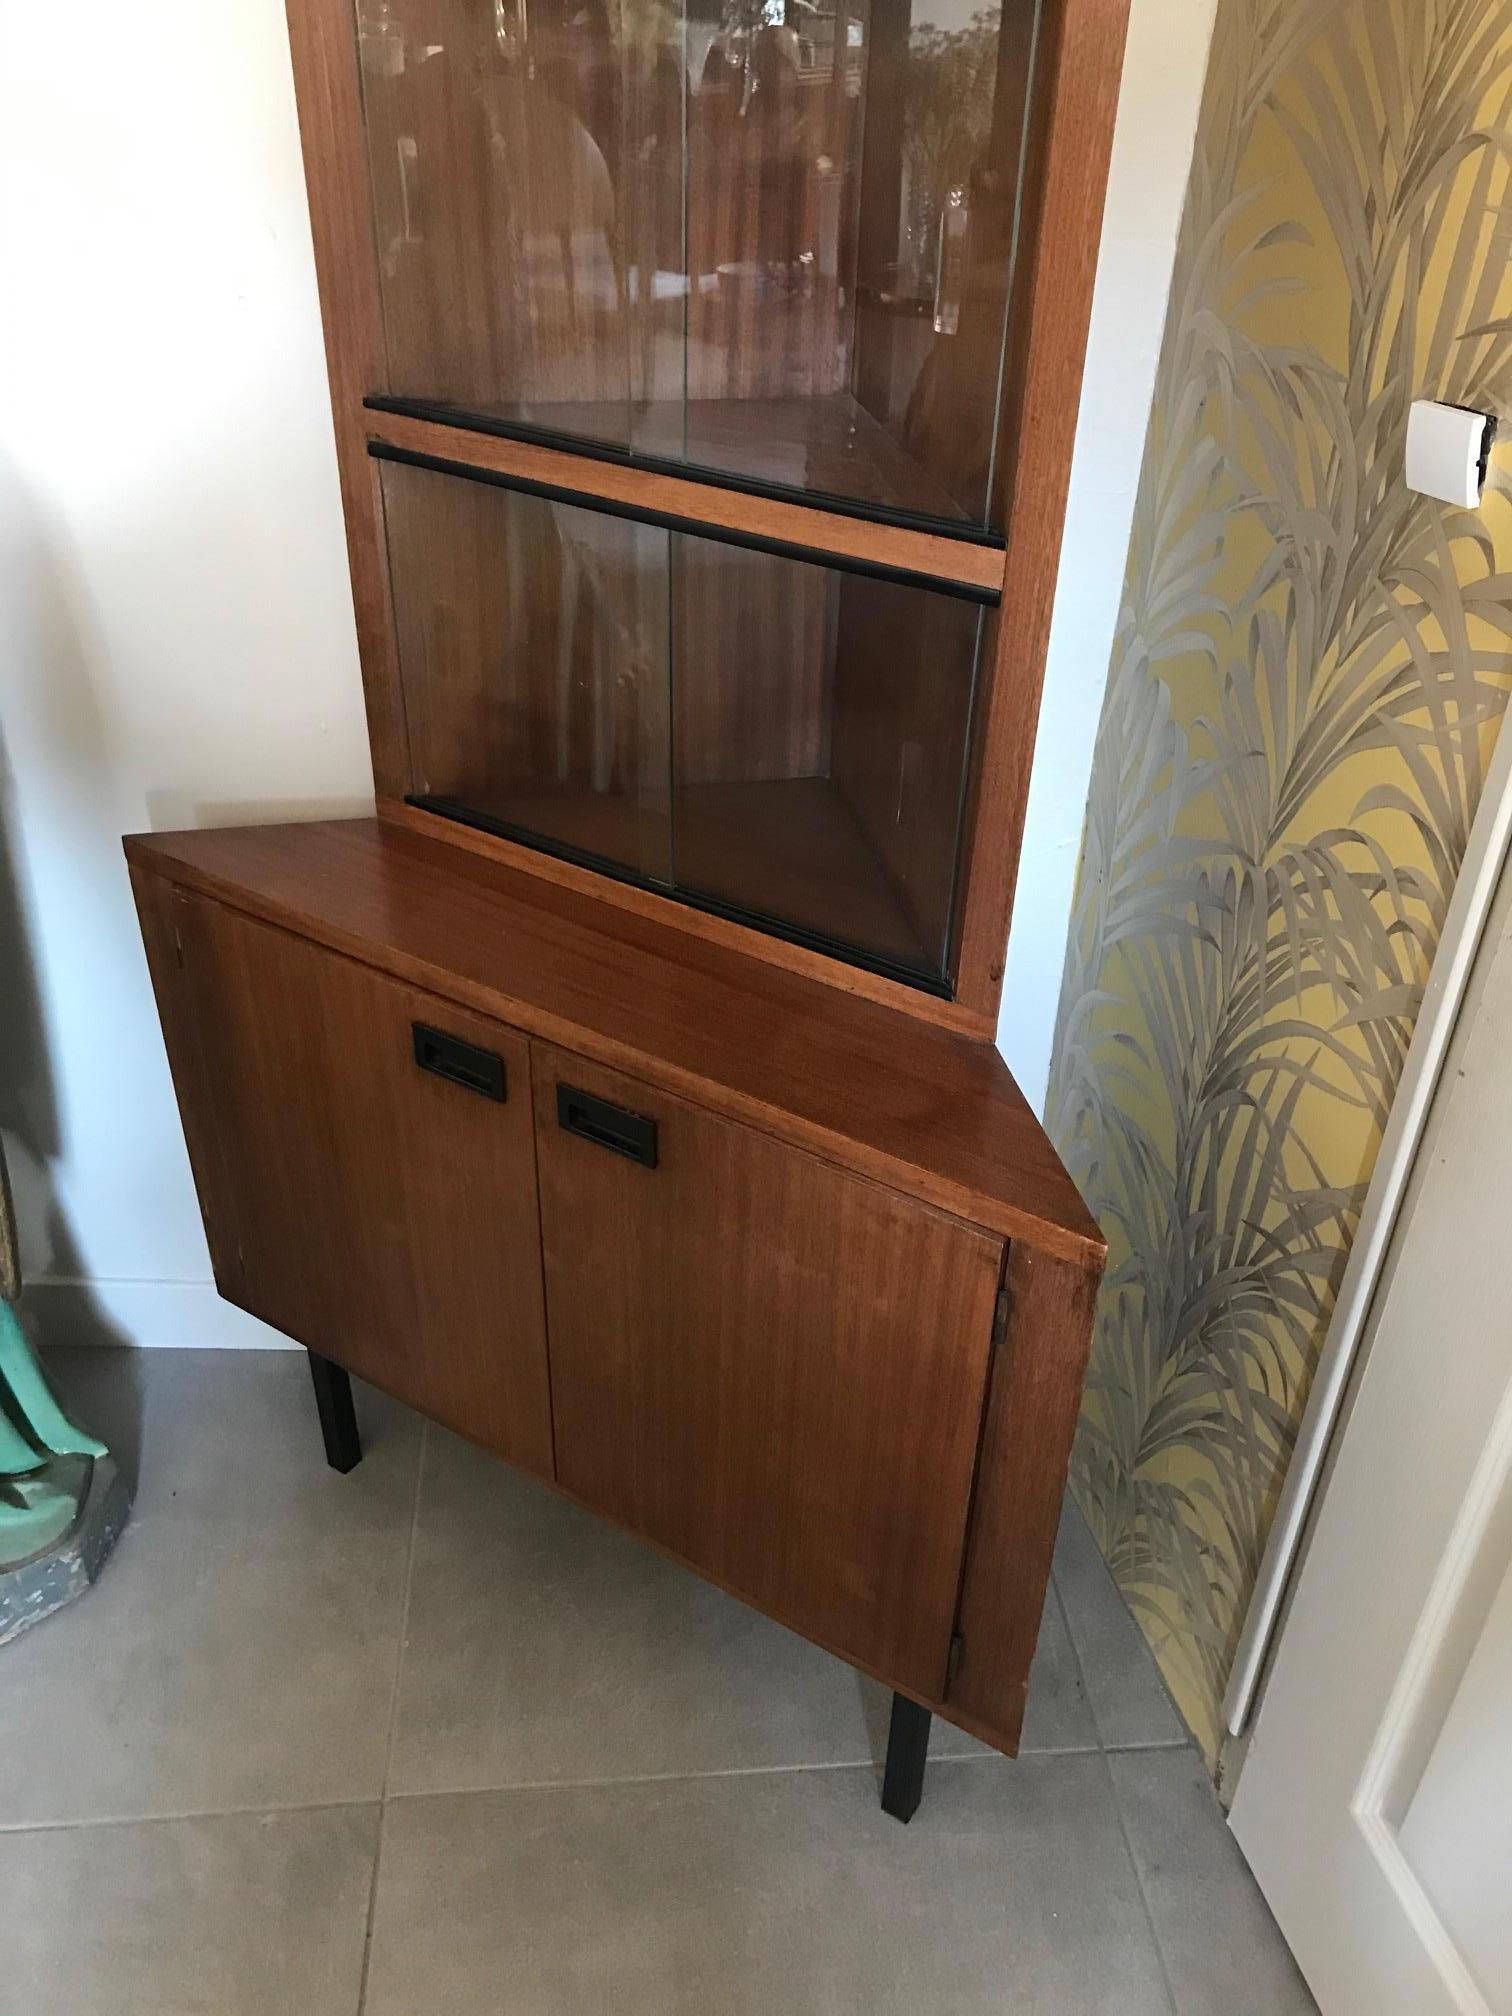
(1075, 103)
(770, 1367)
(380, 1215)
(929, 555)
(920, 1109)
(1021, 1474)
(1071, 116)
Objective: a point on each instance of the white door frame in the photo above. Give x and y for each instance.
(1486, 854)
(1380, 1767)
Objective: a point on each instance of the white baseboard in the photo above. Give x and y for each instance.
(155, 1315)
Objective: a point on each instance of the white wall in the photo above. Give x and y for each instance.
(1152, 155)
(176, 638)
(176, 641)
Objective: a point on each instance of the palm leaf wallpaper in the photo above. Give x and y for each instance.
(1310, 669)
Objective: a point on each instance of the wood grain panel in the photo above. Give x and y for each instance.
(769, 1367)
(328, 89)
(931, 1113)
(928, 554)
(1075, 103)
(1034, 1393)
(377, 1214)
(160, 906)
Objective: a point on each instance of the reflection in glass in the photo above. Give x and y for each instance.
(533, 657)
(782, 740)
(821, 723)
(771, 238)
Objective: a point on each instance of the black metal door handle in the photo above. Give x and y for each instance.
(465, 1064)
(607, 1126)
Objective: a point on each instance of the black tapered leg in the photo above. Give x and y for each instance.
(907, 1748)
(338, 1418)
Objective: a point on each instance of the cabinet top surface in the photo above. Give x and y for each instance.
(929, 1112)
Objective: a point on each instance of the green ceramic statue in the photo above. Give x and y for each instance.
(62, 1504)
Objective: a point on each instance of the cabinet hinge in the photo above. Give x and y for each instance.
(1000, 1314)
(953, 1659)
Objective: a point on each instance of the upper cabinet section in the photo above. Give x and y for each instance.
(767, 240)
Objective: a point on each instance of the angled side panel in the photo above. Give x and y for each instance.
(327, 84)
(1032, 1405)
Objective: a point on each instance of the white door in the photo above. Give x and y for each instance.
(1375, 1805)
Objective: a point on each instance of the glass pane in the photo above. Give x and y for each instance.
(779, 740)
(534, 661)
(526, 179)
(770, 238)
(852, 203)
(821, 725)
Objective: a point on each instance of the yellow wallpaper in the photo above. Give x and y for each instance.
(1310, 668)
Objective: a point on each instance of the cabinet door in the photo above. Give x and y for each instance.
(770, 242)
(373, 1199)
(772, 1369)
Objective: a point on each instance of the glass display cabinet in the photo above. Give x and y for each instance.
(623, 1094)
(766, 248)
(771, 241)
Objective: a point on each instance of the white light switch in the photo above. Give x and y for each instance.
(1448, 448)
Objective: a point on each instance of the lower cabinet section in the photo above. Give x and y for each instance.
(839, 1401)
(770, 1367)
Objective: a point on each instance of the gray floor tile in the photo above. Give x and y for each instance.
(245, 1914)
(545, 1647)
(789, 1891)
(1129, 1702)
(240, 1648)
(1223, 1952)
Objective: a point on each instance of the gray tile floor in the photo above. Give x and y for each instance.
(424, 1738)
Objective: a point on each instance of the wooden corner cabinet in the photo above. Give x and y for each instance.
(623, 1095)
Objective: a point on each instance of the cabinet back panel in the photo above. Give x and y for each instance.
(380, 1214)
(769, 1367)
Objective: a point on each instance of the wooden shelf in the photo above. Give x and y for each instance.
(790, 848)
(824, 533)
(863, 1086)
(829, 447)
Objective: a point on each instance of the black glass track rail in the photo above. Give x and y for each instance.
(464, 419)
(698, 528)
(713, 906)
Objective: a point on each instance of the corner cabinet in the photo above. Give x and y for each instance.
(623, 1094)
